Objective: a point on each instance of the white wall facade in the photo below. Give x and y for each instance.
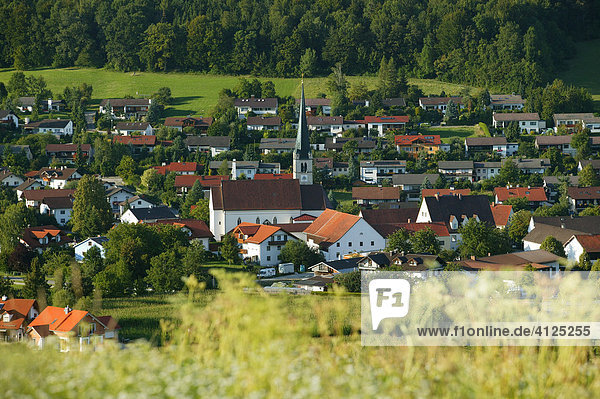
(84, 246)
(62, 216)
(360, 238)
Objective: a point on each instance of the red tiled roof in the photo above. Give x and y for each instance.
(272, 176)
(304, 218)
(330, 226)
(40, 195)
(433, 139)
(533, 194)
(431, 192)
(387, 119)
(439, 228)
(590, 243)
(57, 320)
(177, 167)
(18, 308)
(260, 232)
(135, 140)
(31, 235)
(198, 228)
(205, 181)
(376, 193)
(501, 214)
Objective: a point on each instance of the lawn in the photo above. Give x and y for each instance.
(343, 197)
(195, 94)
(583, 69)
(448, 133)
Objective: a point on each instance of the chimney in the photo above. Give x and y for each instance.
(437, 196)
(473, 257)
(234, 169)
(528, 187)
(459, 196)
(4, 297)
(67, 309)
(409, 221)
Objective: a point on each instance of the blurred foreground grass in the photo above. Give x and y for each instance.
(249, 344)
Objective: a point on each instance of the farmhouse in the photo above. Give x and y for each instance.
(261, 243)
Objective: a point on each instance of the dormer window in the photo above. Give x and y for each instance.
(6, 317)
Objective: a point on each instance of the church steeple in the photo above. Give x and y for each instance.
(302, 158)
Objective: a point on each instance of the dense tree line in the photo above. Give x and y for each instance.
(514, 44)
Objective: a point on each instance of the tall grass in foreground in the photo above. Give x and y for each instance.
(248, 344)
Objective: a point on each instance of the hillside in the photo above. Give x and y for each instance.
(583, 69)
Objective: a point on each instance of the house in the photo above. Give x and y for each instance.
(571, 121)
(539, 259)
(561, 227)
(578, 243)
(57, 127)
(276, 145)
(135, 202)
(201, 125)
(385, 123)
(15, 316)
(179, 168)
(75, 329)
(337, 234)
(118, 194)
(411, 183)
(528, 122)
(375, 195)
(261, 243)
(263, 123)
(247, 169)
(536, 196)
(489, 145)
(432, 192)
(184, 183)
(593, 124)
(16, 150)
(43, 237)
(502, 215)
(258, 106)
(273, 176)
(583, 197)
(9, 179)
(531, 166)
(374, 172)
(414, 144)
(8, 119)
(137, 143)
(133, 128)
(512, 102)
(439, 103)
(560, 143)
(57, 178)
(125, 108)
(594, 162)
(334, 125)
(29, 184)
(59, 207)
(34, 198)
(552, 185)
(405, 262)
(82, 247)
(364, 144)
(67, 153)
(196, 230)
(456, 170)
(262, 202)
(313, 105)
(386, 221)
(332, 168)
(455, 212)
(214, 144)
(147, 215)
(110, 182)
(27, 104)
(330, 268)
(396, 102)
(315, 283)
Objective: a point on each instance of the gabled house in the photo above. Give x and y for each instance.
(246, 168)
(329, 268)
(536, 196)
(201, 125)
(263, 123)
(395, 102)
(59, 128)
(571, 121)
(439, 103)
(276, 145)
(34, 198)
(15, 316)
(82, 247)
(385, 123)
(489, 145)
(133, 128)
(118, 194)
(137, 143)
(8, 119)
(486, 170)
(196, 230)
(501, 102)
(59, 207)
(75, 329)
(261, 243)
(125, 108)
(583, 197)
(561, 227)
(147, 215)
(552, 185)
(410, 184)
(432, 192)
(135, 202)
(375, 195)
(375, 172)
(365, 145)
(9, 179)
(456, 170)
(258, 106)
(213, 144)
(334, 125)
(312, 105)
(539, 259)
(184, 183)
(27, 104)
(528, 122)
(414, 144)
(331, 167)
(29, 184)
(43, 237)
(67, 153)
(57, 178)
(560, 143)
(337, 234)
(531, 166)
(179, 168)
(578, 243)
(405, 262)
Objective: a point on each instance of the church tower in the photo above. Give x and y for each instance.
(302, 158)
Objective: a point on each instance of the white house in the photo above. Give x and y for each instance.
(312, 105)
(233, 202)
(57, 178)
(374, 172)
(263, 123)
(513, 102)
(147, 215)
(560, 143)
(383, 123)
(9, 179)
(129, 128)
(116, 195)
(456, 170)
(85, 245)
(439, 103)
(134, 202)
(277, 145)
(529, 122)
(258, 106)
(485, 170)
(29, 184)
(59, 207)
(57, 127)
(246, 168)
(570, 121)
(214, 144)
(333, 125)
(7, 117)
(337, 234)
(261, 243)
(578, 243)
(496, 145)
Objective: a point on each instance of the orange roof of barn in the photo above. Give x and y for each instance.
(330, 226)
(57, 320)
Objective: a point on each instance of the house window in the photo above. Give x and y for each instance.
(279, 247)
(361, 243)
(372, 243)
(268, 247)
(62, 212)
(257, 220)
(337, 244)
(274, 220)
(139, 202)
(239, 221)
(268, 258)
(349, 243)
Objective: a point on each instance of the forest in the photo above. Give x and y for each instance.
(510, 45)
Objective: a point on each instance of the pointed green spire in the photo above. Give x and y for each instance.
(302, 147)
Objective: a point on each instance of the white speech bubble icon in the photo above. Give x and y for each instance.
(388, 298)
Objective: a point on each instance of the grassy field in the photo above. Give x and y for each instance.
(448, 133)
(195, 94)
(583, 69)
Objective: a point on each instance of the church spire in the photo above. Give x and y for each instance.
(302, 147)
